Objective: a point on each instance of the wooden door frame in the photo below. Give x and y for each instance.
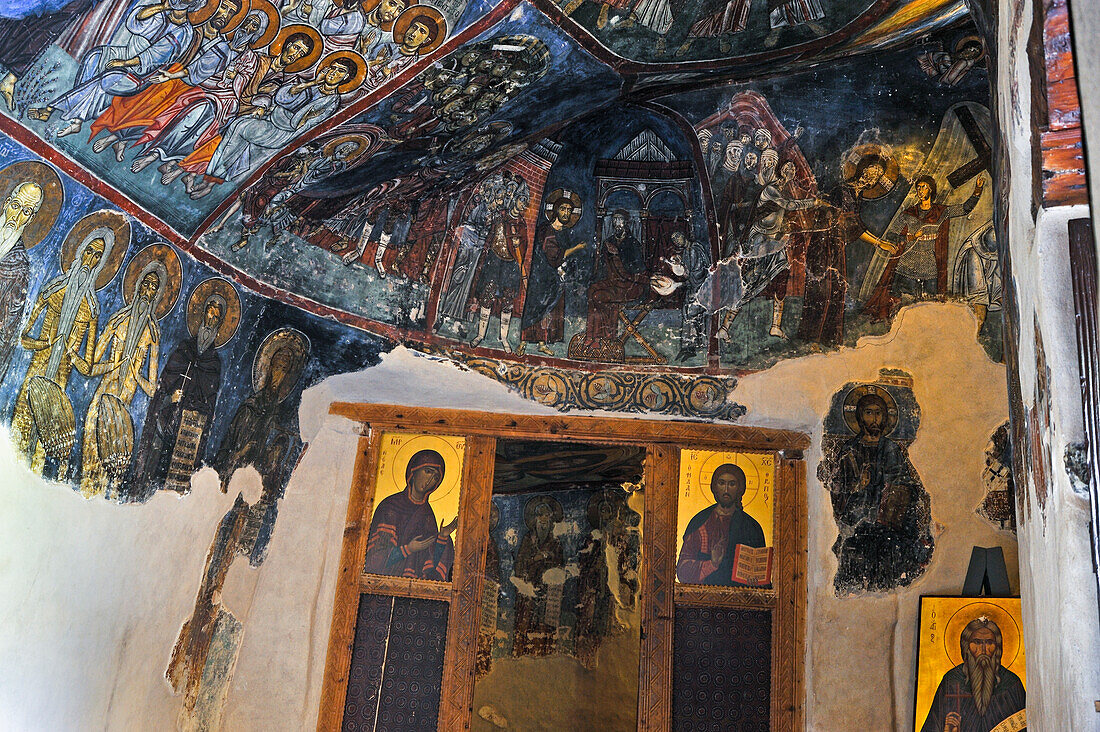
(663, 440)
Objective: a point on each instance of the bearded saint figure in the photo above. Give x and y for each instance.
(69, 312)
(979, 694)
(177, 422)
(129, 339)
(20, 208)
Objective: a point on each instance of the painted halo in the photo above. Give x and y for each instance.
(170, 291)
(557, 195)
(1010, 630)
(112, 220)
(452, 464)
(753, 479)
(305, 61)
(368, 7)
(276, 340)
(53, 196)
(851, 399)
(197, 302)
(891, 170)
(361, 145)
(360, 69)
(237, 18)
(203, 13)
(273, 20)
(533, 506)
(418, 12)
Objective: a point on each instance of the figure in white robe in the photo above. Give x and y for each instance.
(157, 35)
(250, 141)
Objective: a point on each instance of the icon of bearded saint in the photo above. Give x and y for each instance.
(978, 695)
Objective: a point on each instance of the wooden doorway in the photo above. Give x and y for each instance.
(427, 600)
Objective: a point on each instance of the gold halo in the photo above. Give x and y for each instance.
(53, 196)
(452, 464)
(171, 261)
(203, 14)
(852, 398)
(1010, 630)
(360, 69)
(411, 14)
(552, 201)
(533, 503)
(753, 478)
(369, 6)
(111, 219)
(305, 61)
(195, 303)
(889, 176)
(236, 20)
(360, 141)
(274, 339)
(273, 21)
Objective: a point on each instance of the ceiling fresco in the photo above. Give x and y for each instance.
(635, 188)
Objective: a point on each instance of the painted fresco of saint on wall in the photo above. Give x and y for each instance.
(416, 502)
(970, 665)
(725, 519)
(881, 509)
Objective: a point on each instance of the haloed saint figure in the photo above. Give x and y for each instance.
(978, 695)
(405, 539)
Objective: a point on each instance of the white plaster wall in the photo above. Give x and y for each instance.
(99, 591)
(1058, 586)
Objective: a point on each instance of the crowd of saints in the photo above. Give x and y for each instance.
(74, 346)
(210, 90)
(397, 224)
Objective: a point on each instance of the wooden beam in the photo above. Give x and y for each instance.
(377, 584)
(464, 622)
(580, 429)
(346, 606)
(662, 473)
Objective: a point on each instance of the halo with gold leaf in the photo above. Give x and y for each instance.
(53, 196)
(197, 302)
(854, 159)
(105, 218)
(170, 291)
(275, 341)
(452, 463)
(751, 470)
(1010, 630)
(555, 197)
(361, 145)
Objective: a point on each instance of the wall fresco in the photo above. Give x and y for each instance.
(128, 366)
(882, 511)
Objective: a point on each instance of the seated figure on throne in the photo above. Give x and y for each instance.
(621, 278)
